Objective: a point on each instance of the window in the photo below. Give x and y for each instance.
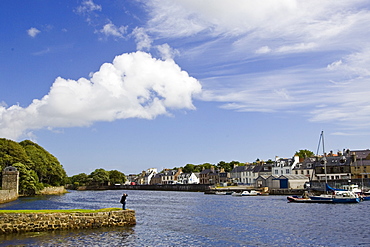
(276, 171)
(287, 171)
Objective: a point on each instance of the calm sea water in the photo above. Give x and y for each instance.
(195, 219)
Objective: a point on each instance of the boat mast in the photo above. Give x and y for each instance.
(323, 161)
(362, 176)
(323, 150)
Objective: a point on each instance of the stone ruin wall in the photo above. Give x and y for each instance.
(10, 185)
(37, 222)
(8, 195)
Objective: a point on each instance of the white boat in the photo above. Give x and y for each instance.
(254, 193)
(338, 196)
(244, 193)
(352, 187)
(223, 193)
(220, 192)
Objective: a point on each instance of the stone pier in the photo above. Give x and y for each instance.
(41, 221)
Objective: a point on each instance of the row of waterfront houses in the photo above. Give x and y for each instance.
(293, 173)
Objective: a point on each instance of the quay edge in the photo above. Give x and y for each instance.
(38, 222)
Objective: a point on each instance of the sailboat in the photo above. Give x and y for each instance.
(332, 195)
(336, 196)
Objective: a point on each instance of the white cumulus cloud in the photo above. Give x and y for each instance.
(134, 85)
(33, 32)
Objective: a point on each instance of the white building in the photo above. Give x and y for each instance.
(239, 174)
(149, 174)
(188, 178)
(249, 173)
(283, 166)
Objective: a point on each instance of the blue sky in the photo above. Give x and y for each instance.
(131, 85)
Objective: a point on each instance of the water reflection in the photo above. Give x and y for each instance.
(116, 236)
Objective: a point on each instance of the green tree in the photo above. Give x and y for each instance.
(304, 153)
(12, 152)
(79, 179)
(47, 167)
(205, 166)
(99, 177)
(228, 166)
(117, 177)
(235, 163)
(224, 165)
(269, 161)
(28, 180)
(188, 168)
(38, 167)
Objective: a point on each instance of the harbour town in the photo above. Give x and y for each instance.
(281, 176)
(184, 123)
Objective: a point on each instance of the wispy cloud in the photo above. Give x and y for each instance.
(89, 10)
(45, 51)
(167, 52)
(88, 6)
(112, 30)
(306, 57)
(143, 41)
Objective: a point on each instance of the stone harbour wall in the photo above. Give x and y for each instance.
(37, 222)
(8, 195)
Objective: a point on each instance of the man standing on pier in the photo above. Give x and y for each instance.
(123, 201)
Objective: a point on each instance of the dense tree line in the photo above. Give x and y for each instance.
(37, 167)
(99, 177)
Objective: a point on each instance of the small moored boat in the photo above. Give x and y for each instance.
(223, 192)
(244, 193)
(337, 197)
